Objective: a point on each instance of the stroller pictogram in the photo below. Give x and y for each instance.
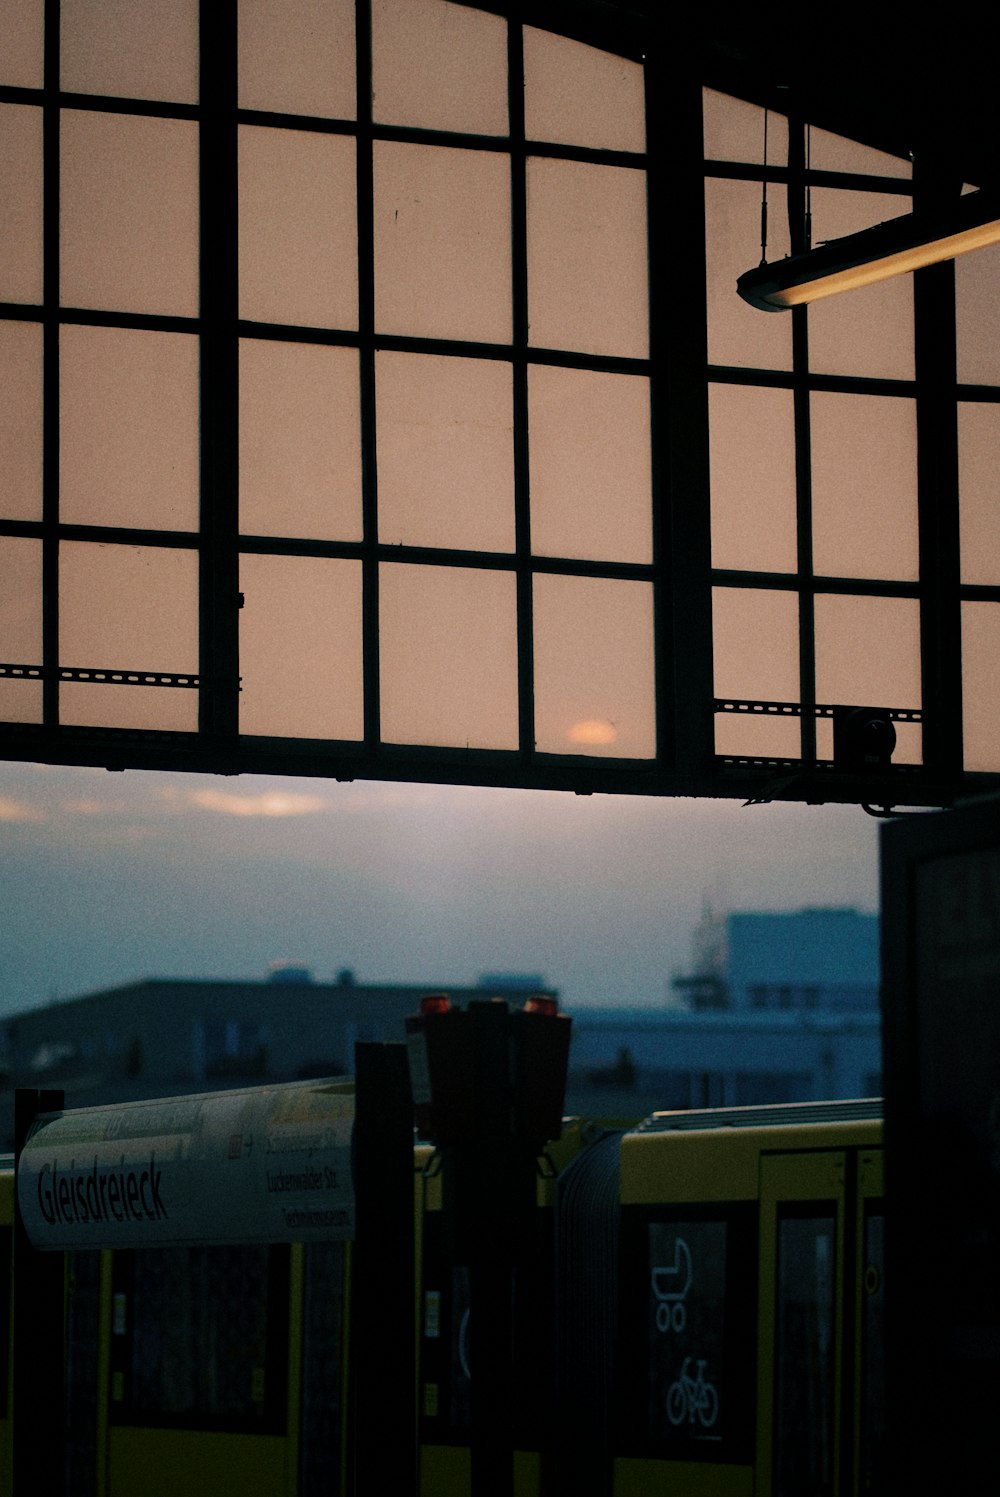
(670, 1285)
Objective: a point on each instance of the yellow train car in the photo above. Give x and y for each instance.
(745, 1354)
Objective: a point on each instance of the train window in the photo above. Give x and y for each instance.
(873, 1356)
(689, 1331)
(804, 1363)
(199, 1338)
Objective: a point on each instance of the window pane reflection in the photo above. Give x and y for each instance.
(594, 667)
(734, 131)
(21, 420)
(439, 67)
(300, 440)
(135, 51)
(589, 464)
(448, 656)
(868, 651)
(753, 478)
(587, 265)
(756, 639)
(21, 195)
(128, 442)
(581, 96)
(297, 57)
(867, 331)
(737, 333)
(445, 452)
(979, 489)
(298, 228)
(300, 647)
(977, 316)
(129, 213)
(442, 242)
(864, 486)
(22, 28)
(980, 696)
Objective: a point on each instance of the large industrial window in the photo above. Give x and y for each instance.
(363, 414)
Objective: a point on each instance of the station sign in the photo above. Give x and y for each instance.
(260, 1164)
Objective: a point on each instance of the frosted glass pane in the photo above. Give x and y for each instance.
(868, 651)
(300, 647)
(128, 445)
(128, 608)
(868, 331)
(977, 316)
(21, 195)
(20, 600)
(297, 56)
(20, 701)
(129, 207)
(22, 53)
(734, 131)
(448, 639)
(20, 421)
(979, 491)
(864, 487)
(758, 735)
(835, 153)
(437, 66)
(300, 441)
(160, 708)
(590, 481)
(578, 95)
(737, 333)
(298, 228)
(587, 258)
(756, 644)
(442, 242)
(137, 51)
(752, 448)
(445, 452)
(980, 697)
(594, 667)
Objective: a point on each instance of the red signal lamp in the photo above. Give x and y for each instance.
(541, 1004)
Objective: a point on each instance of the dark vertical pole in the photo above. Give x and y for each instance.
(489, 1177)
(38, 1378)
(383, 1424)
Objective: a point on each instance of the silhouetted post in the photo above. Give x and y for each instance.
(38, 1361)
(488, 1086)
(382, 1325)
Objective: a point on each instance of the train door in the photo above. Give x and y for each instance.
(801, 1349)
(869, 1376)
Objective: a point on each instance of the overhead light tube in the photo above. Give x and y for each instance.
(889, 249)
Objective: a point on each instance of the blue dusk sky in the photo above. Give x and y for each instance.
(106, 878)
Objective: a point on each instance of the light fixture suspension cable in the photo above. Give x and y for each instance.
(763, 202)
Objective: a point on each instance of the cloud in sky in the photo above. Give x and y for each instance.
(266, 803)
(18, 810)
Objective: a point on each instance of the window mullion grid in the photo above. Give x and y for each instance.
(678, 349)
(938, 501)
(519, 338)
(51, 127)
(803, 452)
(218, 563)
(371, 673)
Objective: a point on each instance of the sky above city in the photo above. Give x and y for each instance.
(107, 878)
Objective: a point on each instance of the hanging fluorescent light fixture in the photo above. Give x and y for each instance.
(889, 249)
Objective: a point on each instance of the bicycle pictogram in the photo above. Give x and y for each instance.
(670, 1285)
(691, 1398)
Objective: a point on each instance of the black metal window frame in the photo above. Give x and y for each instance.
(680, 570)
